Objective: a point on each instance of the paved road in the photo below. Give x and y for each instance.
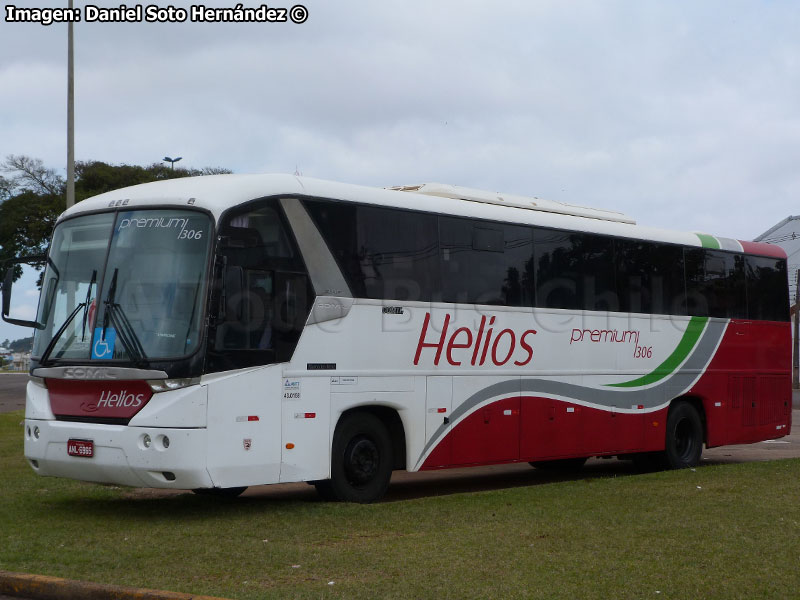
(12, 391)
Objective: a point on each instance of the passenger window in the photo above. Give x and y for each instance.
(715, 285)
(650, 277)
(574, 271)
(767, 288)
(397, 253)
(486, 263)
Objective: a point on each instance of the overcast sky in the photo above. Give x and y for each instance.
(683, 114)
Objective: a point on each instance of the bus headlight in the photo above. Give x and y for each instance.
(164, 385)
(146, 441)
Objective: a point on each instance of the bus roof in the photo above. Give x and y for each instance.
(218, 193)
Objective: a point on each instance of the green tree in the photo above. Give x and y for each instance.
(6, 188)
(21, 345)
(26, 222)
(96, 177)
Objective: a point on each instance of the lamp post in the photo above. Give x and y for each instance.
(172, 161)
(70, 116)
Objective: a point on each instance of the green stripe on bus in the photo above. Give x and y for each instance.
(688, 341)
(708, 241)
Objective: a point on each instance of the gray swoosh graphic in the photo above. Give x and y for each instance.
(649, 397)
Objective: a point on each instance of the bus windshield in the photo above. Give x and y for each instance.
(125, 286)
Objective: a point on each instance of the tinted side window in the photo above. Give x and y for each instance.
(486, 263)
(650, 277)
(767, 288)
(574, 270)
(715, 285)
(384, 253)
(398, 253)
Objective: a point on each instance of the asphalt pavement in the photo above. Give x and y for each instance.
(12, 391)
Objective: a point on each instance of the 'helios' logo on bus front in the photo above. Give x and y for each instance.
(98, 398)
(120, 399)
(476, 347)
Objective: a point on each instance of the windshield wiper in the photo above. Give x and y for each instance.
(110, 297)
(127, 335)
(59, 333)
(86, 304)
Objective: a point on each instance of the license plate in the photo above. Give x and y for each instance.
(82, 448)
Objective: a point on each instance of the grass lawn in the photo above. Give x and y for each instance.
(718, 532)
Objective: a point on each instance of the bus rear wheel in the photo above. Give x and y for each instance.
(361, 460)
(684, 441)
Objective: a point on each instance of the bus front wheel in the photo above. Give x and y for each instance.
(361, 460)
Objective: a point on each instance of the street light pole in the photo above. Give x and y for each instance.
(172, 161)
(70, 115)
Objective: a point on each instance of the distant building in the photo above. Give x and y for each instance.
(786, 234)
(21, 361)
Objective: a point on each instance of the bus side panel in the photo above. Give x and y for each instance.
(306, 453)
(244, 433)
(746, 390)
(491, 430)
(551, 428)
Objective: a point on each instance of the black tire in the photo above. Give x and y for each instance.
(324, 489)
(361, 460)
(684, 437)
(565, 465)
(231, 492)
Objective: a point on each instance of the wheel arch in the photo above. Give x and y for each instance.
(390, 417)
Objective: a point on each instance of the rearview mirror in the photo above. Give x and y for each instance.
(20, 311)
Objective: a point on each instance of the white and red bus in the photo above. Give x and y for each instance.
(220, 332)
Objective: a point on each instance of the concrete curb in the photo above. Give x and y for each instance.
(42, 587)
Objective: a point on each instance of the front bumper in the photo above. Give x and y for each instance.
(120, 455)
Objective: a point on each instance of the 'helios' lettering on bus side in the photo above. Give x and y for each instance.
(497, 348)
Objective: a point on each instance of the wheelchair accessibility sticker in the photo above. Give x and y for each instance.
(104, 348)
